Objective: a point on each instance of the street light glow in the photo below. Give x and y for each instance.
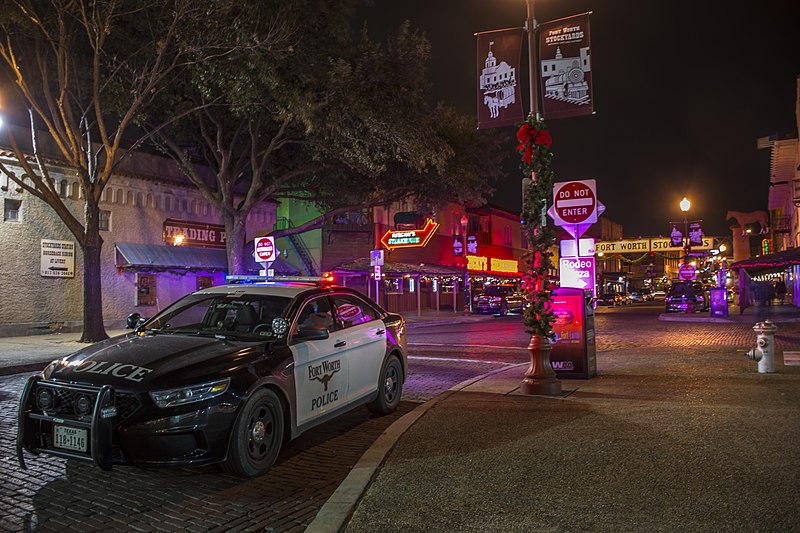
(685, 204)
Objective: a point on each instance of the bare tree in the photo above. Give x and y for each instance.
(86, 70)
(340, 124)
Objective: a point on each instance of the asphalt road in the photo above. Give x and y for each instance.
(59, 495)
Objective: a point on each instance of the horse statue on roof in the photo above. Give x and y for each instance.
(743, 219)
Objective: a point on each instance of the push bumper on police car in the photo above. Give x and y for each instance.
(85, 434)
(107, 427)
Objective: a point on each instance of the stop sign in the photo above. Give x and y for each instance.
(575, 202)
(687, 272)
(265, 249)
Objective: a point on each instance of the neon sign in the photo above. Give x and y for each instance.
(477, 262)
(480, 263)
(504, 265)
(411, 238)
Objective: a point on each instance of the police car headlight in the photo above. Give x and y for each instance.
(193, 393)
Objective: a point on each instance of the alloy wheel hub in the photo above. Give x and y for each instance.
(259, 431)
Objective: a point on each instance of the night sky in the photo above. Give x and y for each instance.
(682, 90)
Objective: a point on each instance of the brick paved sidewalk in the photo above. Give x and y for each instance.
(661, 440)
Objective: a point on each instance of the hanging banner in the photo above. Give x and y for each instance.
(676, 235)
(695, 234)
(499, 99)
(565, 67)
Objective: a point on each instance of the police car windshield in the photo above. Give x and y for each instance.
(220, 315)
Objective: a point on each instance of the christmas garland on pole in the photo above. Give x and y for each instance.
(534, 145)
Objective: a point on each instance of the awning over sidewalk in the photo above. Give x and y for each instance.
(776, 262)
(149, 257)
(362, 266)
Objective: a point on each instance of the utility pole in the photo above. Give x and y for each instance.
(530, 27)
(540, 378)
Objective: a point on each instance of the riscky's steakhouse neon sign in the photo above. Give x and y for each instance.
(410, 238)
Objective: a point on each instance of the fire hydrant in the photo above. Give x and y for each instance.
(764, 351)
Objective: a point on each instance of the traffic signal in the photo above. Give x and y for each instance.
(766, 246)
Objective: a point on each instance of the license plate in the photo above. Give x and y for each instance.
(69, 438)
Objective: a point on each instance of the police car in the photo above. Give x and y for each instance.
(224, 375)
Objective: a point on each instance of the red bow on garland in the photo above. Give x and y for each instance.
(529, 137)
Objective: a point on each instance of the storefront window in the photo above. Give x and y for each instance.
(393, 285)
(204, 282)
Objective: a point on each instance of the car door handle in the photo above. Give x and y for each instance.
(339, 344)
(380, 332)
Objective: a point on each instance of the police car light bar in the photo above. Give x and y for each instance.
(252, 279)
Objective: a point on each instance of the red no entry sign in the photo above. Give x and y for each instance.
(575, 202)
(687, 272)
(265, 249)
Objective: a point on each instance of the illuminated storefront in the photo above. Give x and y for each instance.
(426, 267)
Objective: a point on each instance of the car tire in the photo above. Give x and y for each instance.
(504, 309)
(257, 435)
(390, 388)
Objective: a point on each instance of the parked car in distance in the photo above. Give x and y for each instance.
(623, 298)
(606, 298)
(686, 296)
(501, 299)
(659, 295)
(637, 297)
(647, 294)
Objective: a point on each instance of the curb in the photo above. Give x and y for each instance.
(447, 321)
(336, 512)
(682, 317)
(20, 369)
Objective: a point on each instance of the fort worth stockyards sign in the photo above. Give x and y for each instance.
(646, 245)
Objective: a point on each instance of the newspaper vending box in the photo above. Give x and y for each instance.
(573, 353)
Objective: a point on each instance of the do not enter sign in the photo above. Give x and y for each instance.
(575, 202)
(687, 272)
(265, 249)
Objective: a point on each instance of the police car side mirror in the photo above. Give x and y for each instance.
(133, 320)
(311, 333)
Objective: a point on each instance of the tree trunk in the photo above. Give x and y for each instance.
(93, 328)
(235, 234)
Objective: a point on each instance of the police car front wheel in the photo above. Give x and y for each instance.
(257, 435)
(390, 388)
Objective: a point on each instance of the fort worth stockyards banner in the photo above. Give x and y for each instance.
(499, 100)
(565, 67)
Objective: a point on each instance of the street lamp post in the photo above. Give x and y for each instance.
(530, 26)
(687, 247)
(467, 289)
(685, 205)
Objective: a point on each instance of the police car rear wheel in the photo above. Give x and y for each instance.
(390, 388)
(257, 435)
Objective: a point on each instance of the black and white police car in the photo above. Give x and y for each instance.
(223, 375)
